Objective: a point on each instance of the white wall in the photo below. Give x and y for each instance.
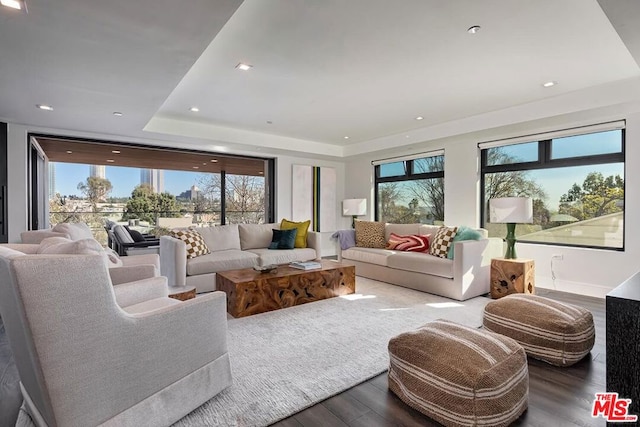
(586, 271)
(284, 169)
(17, 150)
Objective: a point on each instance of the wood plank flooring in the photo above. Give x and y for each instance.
(557, 396)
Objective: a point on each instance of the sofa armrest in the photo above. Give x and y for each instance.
(140, 290)
(173, 260)
(26, 248)
(132, 273)
(37, 236)
(472, 260)
(142, 259)
(314, 242)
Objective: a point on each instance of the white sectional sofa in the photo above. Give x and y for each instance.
(463, 277)
(232, 247)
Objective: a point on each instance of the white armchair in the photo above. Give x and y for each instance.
(84, 360)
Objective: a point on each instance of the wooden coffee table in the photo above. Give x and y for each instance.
(251, 292)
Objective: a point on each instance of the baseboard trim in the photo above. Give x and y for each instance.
(587, 289)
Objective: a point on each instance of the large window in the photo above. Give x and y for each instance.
(153, 189)
(576, 182)
(409, 191)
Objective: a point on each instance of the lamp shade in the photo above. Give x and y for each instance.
(351, 207)
(511, 210)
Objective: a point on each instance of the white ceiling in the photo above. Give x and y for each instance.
(321, 70)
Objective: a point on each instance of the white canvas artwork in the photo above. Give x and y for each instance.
(314, 196)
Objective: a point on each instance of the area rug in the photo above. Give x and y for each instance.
(287, 360)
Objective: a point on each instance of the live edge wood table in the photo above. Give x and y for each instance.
(251, 292)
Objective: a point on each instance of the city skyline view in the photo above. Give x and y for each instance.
(123, 179)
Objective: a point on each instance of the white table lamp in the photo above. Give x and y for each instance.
(354, 208)
(511, 210)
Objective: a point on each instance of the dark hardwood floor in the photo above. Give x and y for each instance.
(557, 396)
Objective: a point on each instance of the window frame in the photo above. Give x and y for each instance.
(546, 162)
(408, 176)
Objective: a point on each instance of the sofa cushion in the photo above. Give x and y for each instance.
(284, 256)
(421, 263)
(370, 234)
(412, 243)
(222, 237)
(231, 259)
(370, 255)
(122, 234)
(428, 229)
(303, 228)
(441, 241)
(75, 231)
(254, 236)
(283, 239)
(195, 244)
(401, 229)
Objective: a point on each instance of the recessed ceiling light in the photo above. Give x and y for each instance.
(474, 29)
(14, 4)
(194, 109)
(117, 113)
(204, 164)
(115, 151)
(346, 137)
(44, 107)
(214, 161)
(419, 118)
(244, 67)
(261, 172)
(549, 84)
(69, 152)
(110, 160)
(196, 167)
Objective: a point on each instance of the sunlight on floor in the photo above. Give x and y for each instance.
(353, 297)
(445, 304)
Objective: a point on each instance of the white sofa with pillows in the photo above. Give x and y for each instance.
(192, 257)
(453, 268)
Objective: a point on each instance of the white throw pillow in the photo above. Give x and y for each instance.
(113, 258)
(77, 247)
(75, 231)
(51, 241)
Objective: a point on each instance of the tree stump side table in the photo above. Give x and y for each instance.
(510, 276)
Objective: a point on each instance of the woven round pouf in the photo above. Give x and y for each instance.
(460, 376)
(557, 333)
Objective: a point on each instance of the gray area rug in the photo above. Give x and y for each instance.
(287, 360)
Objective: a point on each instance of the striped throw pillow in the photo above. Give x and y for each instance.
(411, 243)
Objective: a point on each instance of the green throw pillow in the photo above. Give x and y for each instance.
(464, 233)
(283, 239)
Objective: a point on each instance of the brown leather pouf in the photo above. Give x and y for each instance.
(558, 333)
(460, 376)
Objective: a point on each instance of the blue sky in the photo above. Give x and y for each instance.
(123, 180)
